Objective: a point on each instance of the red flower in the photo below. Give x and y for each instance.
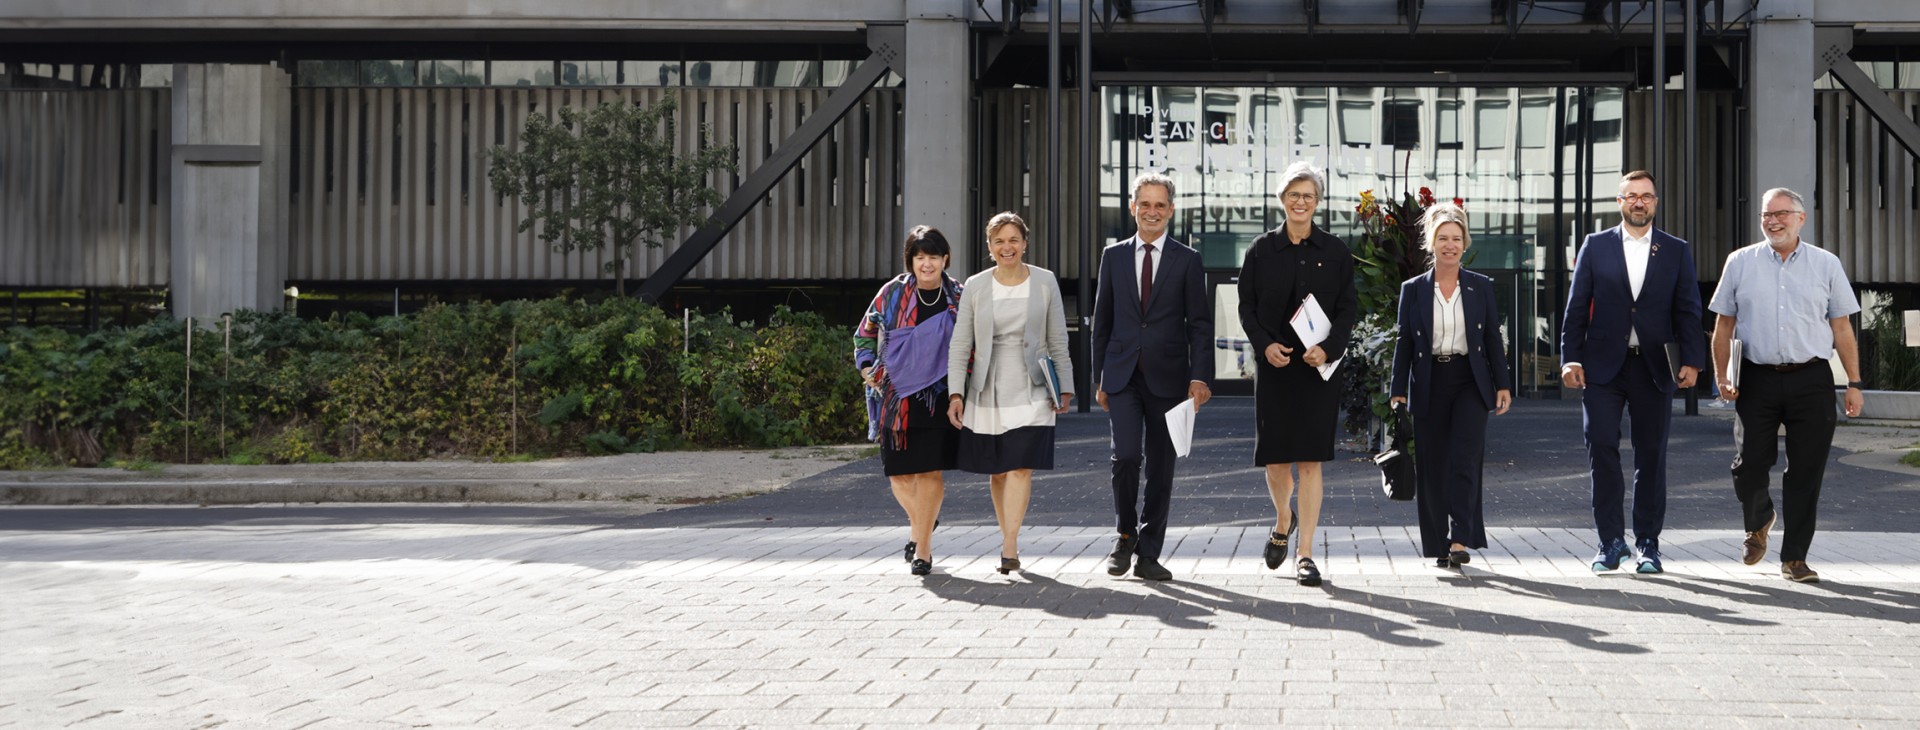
(1459, 202)
(1426, 197)
(1391, 221)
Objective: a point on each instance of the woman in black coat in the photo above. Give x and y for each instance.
(1296, 407)
(1451, 358)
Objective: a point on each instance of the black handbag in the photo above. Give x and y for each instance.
(1396, 457)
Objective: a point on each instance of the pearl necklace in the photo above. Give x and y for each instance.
(937, 293)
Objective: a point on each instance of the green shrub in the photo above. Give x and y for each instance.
(485, 380)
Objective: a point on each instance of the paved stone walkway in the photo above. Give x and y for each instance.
(283, 622)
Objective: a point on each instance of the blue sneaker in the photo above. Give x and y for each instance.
(1612, 554)
(1649, 556)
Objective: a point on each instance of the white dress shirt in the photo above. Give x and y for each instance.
(1637, 250)
(1449, 322)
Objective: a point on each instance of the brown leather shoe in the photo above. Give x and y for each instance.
(1798, 572)
(1754, 547)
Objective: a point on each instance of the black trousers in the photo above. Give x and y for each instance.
(1140, 441)
(1803, 401)
(1450, 441)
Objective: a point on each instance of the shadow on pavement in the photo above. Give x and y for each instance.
(1839, 599)
(1603, 597)
(1174, 606)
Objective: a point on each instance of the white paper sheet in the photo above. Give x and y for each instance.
(1311, 324)
(1326, 371)
(1180, 426)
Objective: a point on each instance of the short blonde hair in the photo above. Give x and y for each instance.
(1440, 214)
(1008, 218)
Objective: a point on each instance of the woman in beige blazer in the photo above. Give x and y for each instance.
(1011, 322)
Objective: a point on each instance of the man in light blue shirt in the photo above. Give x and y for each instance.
(1789, 303)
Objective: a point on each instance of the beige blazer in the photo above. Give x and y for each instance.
(973, 333)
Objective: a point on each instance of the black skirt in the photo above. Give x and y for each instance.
(930, 442)
(1296, 413)
(1027, 447)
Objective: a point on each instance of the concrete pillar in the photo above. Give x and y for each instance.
(1781, 90)
(229, 188)
(937, 166)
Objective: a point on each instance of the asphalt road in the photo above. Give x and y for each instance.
(1536, 476)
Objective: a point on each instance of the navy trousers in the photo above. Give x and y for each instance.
(1650, 406)
(1450, 445)
(1138, 419)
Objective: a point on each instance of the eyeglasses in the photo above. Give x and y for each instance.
(1638, 198)
(1299, 197)
(1779, 215)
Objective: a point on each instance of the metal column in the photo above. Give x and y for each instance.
(1089, 193)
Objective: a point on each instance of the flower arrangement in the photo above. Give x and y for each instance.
(1387, 253)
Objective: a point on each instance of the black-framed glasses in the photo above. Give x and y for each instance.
(1299, 197)
(1639, 198)
(1779, 215)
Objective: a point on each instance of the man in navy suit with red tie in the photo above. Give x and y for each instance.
(1634, 292)
(1152, 336)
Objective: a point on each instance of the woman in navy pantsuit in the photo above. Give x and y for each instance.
(1451, 358)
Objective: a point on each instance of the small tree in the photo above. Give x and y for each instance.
(610, 176)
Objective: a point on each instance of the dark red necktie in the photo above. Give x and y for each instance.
(1146, 279)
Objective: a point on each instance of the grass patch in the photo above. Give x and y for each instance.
(137, 464)
(519, 458)
(1911, 458)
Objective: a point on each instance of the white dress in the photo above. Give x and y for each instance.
(1010, 399)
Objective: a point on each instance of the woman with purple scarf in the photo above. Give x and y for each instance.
(901, 350)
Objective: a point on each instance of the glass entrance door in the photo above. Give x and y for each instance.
(1521, 160)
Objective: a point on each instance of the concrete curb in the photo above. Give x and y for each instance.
(290, 491)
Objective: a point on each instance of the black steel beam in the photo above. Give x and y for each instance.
(1089, 176)
(888, 42)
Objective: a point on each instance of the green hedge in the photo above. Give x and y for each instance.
(476, 380)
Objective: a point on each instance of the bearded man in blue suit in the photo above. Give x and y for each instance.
(1635, 291)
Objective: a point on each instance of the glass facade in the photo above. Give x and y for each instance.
(1516, 156)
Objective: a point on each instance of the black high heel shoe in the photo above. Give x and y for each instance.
(1008, 565)
(923, 567)
(1307, 572)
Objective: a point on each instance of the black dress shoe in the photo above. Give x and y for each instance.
(1276, 552)
(1442, 563)
(1459, 558)
(1122, 557)
(911, 547)
(1307, 573)
(1150, 569)
(923, 567)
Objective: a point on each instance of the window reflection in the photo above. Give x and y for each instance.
(1225, 146)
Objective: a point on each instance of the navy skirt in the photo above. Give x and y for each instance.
(1028, 447)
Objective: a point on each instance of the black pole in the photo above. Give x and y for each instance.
(1690, 163)
(1089, 193)
(1053, 135)
(1659, 151)
(1557, 248)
